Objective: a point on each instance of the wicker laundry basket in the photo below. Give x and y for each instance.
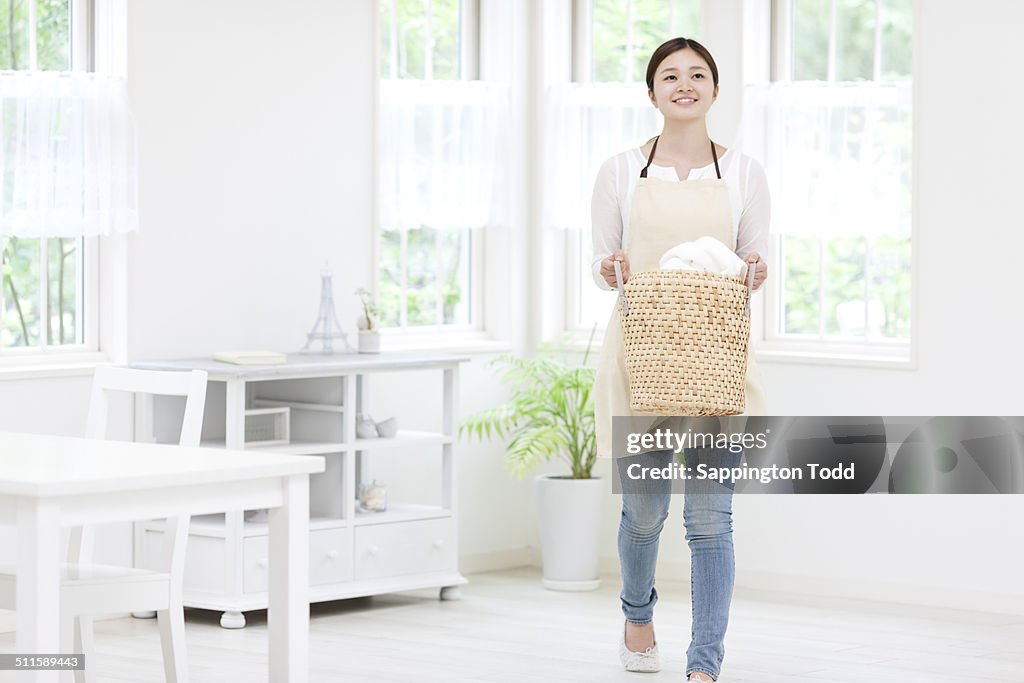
(686, 335)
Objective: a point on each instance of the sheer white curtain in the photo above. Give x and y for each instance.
(585, 124)
(67, 158)
(837, 155)
(443, 154)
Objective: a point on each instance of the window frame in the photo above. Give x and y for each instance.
(82, 55)
(772, 344)
(576, 245)
(476, 286)
(419, 336)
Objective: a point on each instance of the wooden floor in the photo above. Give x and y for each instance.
(508, 628)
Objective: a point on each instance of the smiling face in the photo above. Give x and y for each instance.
(683, 86)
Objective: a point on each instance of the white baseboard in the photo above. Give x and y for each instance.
(499, 559)
(827, 588)
(943, 597)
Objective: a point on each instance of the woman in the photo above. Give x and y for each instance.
(676, 188)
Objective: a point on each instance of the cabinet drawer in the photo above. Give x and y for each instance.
(330, 559)
(404, 548)
(205, 570)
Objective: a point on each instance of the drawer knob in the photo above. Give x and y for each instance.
(262, 564)
(372, 550)
(332, 554)
(438, 543)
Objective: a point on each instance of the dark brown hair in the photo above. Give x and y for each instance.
(675, 45)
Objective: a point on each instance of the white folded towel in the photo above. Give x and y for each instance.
(705, 254)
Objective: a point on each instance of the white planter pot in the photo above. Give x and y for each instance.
(570, 515)
(369, 342)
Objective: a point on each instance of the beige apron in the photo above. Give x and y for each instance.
(664, 214)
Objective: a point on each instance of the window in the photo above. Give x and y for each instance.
(837, 135)
(608, 106)
(436, 159)
(47, 301)
(624, 33)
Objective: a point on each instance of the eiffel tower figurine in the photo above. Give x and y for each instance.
(326, 329)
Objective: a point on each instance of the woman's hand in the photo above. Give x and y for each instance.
(760, 270)
(608, 268)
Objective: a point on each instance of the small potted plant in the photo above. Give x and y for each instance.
(368, 323)
(550, 414)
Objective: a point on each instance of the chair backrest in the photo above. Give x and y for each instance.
(108, 379)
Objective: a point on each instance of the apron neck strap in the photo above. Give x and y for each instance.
(650, 158)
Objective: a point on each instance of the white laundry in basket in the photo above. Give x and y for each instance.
(704, 254)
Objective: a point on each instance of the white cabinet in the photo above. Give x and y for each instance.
(309, 406)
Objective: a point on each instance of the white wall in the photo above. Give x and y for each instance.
(256, 125)
(51, 405)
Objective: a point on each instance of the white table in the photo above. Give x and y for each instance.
(49, 482)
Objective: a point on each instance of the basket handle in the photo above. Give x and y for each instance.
(750, 288)
(621, 288)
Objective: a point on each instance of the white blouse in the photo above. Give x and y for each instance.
(613, 199)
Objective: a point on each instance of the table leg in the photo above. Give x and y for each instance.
(288, 613)
(38, 591)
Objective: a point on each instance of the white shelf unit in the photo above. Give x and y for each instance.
(411, 545)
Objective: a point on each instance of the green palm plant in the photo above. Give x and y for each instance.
(549, 413)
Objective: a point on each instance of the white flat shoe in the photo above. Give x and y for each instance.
(639, 662)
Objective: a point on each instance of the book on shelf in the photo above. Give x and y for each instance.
(251, 357)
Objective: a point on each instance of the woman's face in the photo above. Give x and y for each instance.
(683, 86)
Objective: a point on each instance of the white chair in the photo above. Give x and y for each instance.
(88, 588)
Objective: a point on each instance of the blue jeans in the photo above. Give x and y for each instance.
(707, 516)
